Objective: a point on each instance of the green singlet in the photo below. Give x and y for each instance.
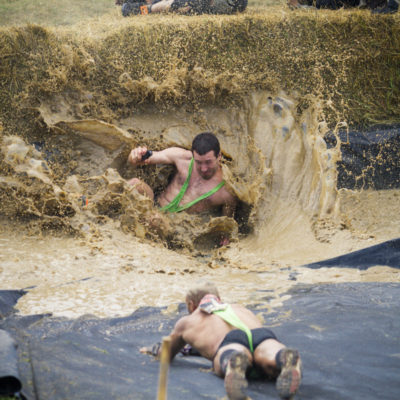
(231, 318)
(211, 304)
(174, 205)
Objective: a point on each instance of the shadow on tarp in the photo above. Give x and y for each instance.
(348, 336)
(383, 254)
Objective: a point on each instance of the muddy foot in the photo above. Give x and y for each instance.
(289, 379)
(235, 377)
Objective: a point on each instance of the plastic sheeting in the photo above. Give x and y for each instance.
(7, 300)
(9, 375)
(348, 336)
(383, 254)
(369, 159)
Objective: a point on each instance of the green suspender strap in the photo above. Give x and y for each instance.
(231, 318)
(174, 205)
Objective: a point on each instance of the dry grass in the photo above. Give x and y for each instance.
(64, 13)
(51, 12)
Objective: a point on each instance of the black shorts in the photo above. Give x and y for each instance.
(240, 337)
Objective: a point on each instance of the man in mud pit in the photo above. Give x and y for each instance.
(232, 337)
(132, 7)
(197, 185)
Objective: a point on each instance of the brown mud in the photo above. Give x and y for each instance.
(83, 241)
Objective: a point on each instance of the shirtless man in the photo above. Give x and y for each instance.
(197, 185)
(232, 337)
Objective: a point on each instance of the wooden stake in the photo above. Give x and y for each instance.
(164, 365)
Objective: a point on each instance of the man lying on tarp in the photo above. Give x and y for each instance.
(131, 7)
(197, 185)
(232, 337)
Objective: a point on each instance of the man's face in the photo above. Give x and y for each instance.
(207, 164)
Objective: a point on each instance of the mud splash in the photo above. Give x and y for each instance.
(80, 240)
(120, 253)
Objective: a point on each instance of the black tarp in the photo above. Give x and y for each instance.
(7, 300)
(370, 159)
(348, 336)
(9, 375)
(385, 254)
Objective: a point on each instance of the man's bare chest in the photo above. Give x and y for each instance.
(198, 186)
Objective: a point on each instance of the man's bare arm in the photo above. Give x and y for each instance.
(177, 342)
(171, 155)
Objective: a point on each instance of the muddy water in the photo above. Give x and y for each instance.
(79, 240)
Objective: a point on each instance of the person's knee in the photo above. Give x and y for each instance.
(226, 353)
(224, 359)
(134, 182)
(265, 354)
(142, 187)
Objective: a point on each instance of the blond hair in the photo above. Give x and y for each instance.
(199, 291)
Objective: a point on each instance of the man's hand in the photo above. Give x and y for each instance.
(155, 350)
(135, 156)
(145, 350)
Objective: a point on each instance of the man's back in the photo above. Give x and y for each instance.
(233, 350)
(205, 332)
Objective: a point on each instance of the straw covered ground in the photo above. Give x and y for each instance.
(110, 65)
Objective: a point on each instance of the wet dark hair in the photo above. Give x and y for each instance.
(205, 142)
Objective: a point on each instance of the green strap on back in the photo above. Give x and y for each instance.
(174, 205)
(231, 318)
